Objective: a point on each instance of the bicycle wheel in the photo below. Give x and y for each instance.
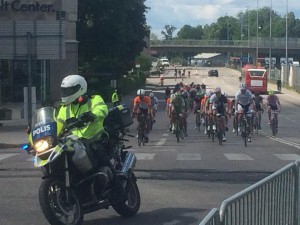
(177, 131)
(198, 121)
(212, 134)
(273, 126)
(220, 137)
(255, 124)
(243, 127)
(140, 138)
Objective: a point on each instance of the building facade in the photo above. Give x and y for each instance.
(38, 47)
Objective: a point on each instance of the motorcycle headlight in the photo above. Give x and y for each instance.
(43, 144)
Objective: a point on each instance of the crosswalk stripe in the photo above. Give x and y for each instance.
(145, 156)
(292, 157)
(5, 156)
(238, 157)
(188, 157)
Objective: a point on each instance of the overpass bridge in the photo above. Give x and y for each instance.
(278, 47)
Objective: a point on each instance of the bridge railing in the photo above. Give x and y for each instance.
(273, 200)
(251, 43)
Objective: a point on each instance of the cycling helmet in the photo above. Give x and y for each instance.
(217, 89)
(141, 92)
(271, 92)
(243, 86)
(151, 95)
(185, 95)
(72, 87)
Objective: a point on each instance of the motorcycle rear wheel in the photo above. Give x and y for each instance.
(55, 207)
(132, 204)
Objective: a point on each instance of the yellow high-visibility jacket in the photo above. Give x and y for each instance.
(96, 105)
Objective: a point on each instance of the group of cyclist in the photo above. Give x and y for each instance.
(186, 99)
(145, 105)
(214, 104)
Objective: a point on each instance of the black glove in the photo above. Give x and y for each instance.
(87, 117)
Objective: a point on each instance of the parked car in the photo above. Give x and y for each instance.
(214, 73)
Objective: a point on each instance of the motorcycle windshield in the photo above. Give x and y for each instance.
(43, 123)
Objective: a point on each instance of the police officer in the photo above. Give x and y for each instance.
(75, 102)
(115, 98)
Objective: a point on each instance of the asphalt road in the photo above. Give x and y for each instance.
(179, 182)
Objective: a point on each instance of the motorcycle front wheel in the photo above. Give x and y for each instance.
(59, 206)
(132, 202)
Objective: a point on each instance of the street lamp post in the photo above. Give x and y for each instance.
(270, 50)
(256, 33)
(286, 42)
(248, 31)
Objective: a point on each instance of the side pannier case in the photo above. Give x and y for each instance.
(118, 118)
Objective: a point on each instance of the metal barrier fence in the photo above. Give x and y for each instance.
(271, 201)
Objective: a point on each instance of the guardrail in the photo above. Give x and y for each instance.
(271, 201)
(279, 43)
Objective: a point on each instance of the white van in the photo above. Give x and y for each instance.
(165, 62)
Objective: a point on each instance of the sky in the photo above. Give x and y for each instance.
(201, 12)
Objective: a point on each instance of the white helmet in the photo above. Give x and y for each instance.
(72, 87)
(151, 95)
(243, 86)
(141, 92)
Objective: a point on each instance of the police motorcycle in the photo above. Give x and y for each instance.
(72, 184)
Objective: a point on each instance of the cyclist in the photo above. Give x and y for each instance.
(258, 103)
(185, 96)
(233, 113)
(154, 105)
(244, 104)
(205, 109)
(218, 105)
(197, 103)
(168, 110)
(228, 111)
(177, 106)
(142, 105)
(273, 103)
(161, 77)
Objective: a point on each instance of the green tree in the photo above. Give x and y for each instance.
(189, 32)
(111, 35)
(168, 32)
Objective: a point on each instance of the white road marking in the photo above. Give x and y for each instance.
(161, 142)
(292, 157)
(5, 156)
(188, 157)
(165, 135)
(145, 156)
(290, 143)
(237, 157)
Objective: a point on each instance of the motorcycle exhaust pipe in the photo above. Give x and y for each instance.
(129, 163)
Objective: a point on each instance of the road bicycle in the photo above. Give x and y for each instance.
(220, 127)
(142, 129)
(198, 119)
(244, 127)
(178, 126)
(274, 122)
(255, 122)
(211, 129)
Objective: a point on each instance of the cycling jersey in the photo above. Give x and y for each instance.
(273, 102)
(145, 103)
(219, 103)
(257, 101)
(178, 104)
(244, 99)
